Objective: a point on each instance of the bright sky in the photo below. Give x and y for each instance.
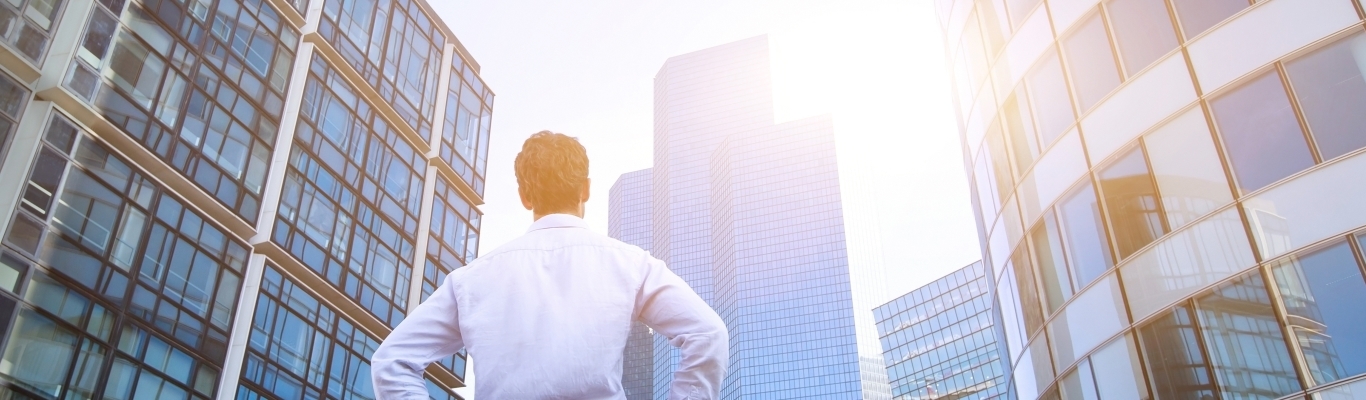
(586, 69)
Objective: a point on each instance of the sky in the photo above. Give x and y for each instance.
(586, 69)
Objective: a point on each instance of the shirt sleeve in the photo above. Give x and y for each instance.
(673, 309)
(430, 333)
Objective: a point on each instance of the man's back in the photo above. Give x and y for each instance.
(547, 316)
(550, 311)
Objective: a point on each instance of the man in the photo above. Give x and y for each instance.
(547, 314)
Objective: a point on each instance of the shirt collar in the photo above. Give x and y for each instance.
(558, 221)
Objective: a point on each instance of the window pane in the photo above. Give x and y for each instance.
(1332, 94)
(1186, 262)
(1313, 207)
(1087, 250)
(1321, 292)
(1143, 31)
(1245, 342)
(1095, 316)
(1050, 260)
(1198, 15)
(1019, 9)
(1261, 134)
(1000, 163)
(1079, 385)
(1353, 391)
(1051, 104)
(38, 353)
(1029, 295)
(1019, 126)
(1131, 202)
(1090, 61)
(1118, 375)
(1187, 168)
(12, 98)
(1175, 363)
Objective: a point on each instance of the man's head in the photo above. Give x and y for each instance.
(552, 174)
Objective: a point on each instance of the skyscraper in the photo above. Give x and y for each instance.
(1163, 192)
(749, 213)
(940, 342)
(228, 198)
(628, 220)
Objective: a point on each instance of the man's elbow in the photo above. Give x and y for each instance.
(390, 371)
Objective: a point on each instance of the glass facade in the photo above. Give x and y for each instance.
(628, 220)
(940, 341)
(763, 245)
(1208, 251)
(208, 205)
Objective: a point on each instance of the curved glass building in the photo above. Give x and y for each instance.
(1168, 192)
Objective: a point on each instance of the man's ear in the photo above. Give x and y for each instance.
(526, 202)
(583, 194)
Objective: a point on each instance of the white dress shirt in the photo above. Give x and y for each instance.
(547, 316)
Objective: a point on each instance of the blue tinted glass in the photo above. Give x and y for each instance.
(1321, 291)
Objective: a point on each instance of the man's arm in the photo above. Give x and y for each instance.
(670, 307)
(430, 333)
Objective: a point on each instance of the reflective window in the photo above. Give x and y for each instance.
(200, 85)
(1084, 235)
(300, 348)
(1096, 315)
(109, 227)
(1175, 360)
(1352, 391)
(465, 132)
(1090, 61)
(1329, 85)
(1019, 127)
(1000, 162)
(1019, 10)
(1051, 104)
(1260, 132)
(130, 294)
(1131, 202)
(453, 242)
(1244, 341)
(1305, 210)
(1187, 261)
(1048, 256)
(1117, 371)
(351, 197)
(1008, 301)
(995, 29)
(395, 47)
(1198, 15)
(1186, 165)
(1143, 31)
(454, 239)
(13, 96)
(1079, 384)
(1029, 294)
(27, 24)
(1321, 291)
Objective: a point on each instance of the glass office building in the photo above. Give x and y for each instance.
(628, 219)
(228, 198)
(1165, 191)
(749, 213)
(939, 341)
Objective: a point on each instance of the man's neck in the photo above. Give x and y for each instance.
(577, 213)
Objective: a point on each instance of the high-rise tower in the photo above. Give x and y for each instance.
(628, 220)
(749, 213)
(1164, 191)
(228, 198)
